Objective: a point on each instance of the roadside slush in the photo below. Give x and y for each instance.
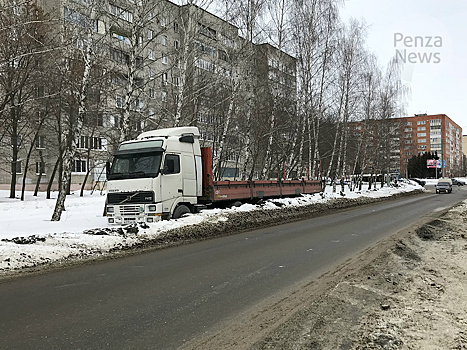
(411, 296)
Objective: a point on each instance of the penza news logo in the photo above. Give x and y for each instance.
(410, 48)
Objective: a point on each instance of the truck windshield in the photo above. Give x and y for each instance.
(136, 165)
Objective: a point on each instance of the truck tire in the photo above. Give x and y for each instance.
(235, 204)
(180, 211)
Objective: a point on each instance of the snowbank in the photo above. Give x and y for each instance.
(28, 238)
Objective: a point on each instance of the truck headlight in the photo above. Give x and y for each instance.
(110, 209)
(151, 208)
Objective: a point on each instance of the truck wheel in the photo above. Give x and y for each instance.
(180, 211)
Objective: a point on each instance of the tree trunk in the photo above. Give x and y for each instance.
(41, 160)
(14, 146)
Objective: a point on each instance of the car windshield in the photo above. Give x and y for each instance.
(136, 165)
(443, 183)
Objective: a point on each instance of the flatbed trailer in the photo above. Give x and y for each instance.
(218, 191)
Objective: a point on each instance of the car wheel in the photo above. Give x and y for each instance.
(180, 211)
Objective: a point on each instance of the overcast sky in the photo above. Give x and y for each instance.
(439, 84)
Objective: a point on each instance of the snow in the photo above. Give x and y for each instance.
(29, 238)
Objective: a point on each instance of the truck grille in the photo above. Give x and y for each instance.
(130, 197)
(129, 210)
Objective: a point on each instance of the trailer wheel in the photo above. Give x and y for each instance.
(180, 211)
(235, 204)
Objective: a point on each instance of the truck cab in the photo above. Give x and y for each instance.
(157, 176)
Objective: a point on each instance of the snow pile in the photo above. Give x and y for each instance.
(28, 238)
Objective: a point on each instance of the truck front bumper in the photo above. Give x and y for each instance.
(134, 213)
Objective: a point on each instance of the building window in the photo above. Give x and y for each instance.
(175, 81)
(119, 101)
(164, 78)
(207, 49)
(408, 129)
(150, 34)
(421, 140)
(421, 134)
(40, 168)
(16, 10)
(421, 128)
(163, 21)
(90, 142)
(40, 142)
(121, 38)
(227, 41)
(409, 123)
(151, 54)
(421, 146)
(206, 65)
(164, 40)
(76, 17)
(421, 122)
(19, 140)
(164, 96)
(151, 93)
(119, 56)
(435, 122)
(164, 58)
(176, 27)
(19, 166)
(121, 13)
(79, 166)
(223, 55)
(205, 30)
(176, 44)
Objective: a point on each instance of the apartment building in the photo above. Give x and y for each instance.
(403, 138)
(435, 134)
(163, 65)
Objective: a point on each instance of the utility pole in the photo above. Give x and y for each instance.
(442, 156)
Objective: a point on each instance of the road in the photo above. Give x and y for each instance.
(163, 299)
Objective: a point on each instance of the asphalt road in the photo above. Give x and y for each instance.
(161, 299)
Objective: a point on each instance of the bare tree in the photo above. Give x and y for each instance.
(80, 64)
(23, 44)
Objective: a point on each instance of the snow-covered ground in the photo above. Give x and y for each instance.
(29, 238)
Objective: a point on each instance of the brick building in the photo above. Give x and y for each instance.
(405, 137)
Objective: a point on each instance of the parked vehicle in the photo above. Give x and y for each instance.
(457, 182)
(419, 181)
(165, 174)
(444, 185)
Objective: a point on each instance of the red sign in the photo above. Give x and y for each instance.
(431, 163)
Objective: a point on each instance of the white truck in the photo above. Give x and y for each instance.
(165, 174)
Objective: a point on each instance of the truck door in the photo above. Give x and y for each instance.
(171, 181)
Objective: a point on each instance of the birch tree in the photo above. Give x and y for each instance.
(24, 43)
(315, 41)
(82, 59)
(350, 58)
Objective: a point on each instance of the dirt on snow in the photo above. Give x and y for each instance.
(408, 292)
